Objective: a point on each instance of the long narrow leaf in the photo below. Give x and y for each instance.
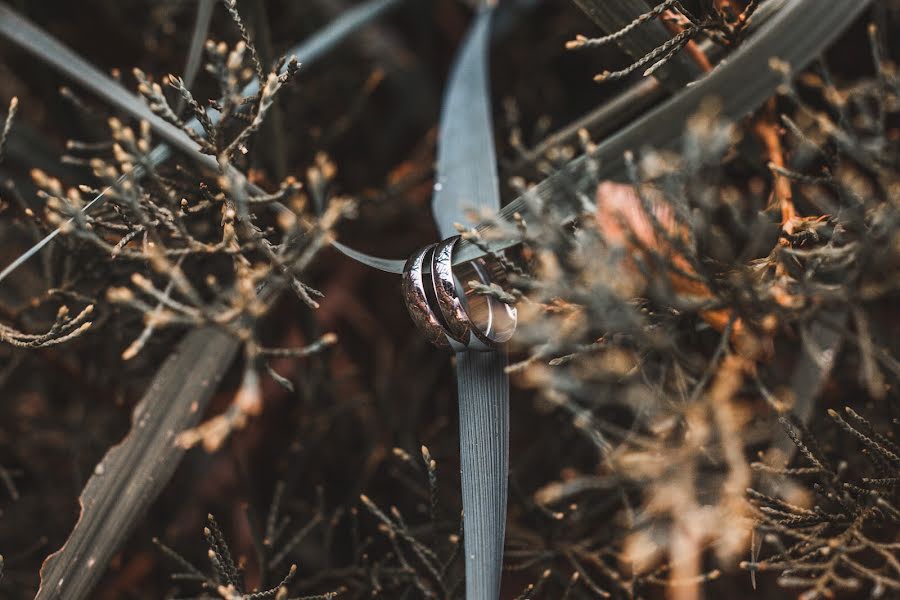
(198, 39)
(133, 473)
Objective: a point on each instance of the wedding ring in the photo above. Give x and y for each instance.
(492, 322)
(446, 310)
(415, 292)
(445, 289)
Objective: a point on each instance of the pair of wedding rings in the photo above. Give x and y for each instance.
(448, 316)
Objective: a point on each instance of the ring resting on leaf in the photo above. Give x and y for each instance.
(448, 313)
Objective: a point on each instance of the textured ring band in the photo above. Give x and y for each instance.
(416, 294)
(449, 317)
(445, 289)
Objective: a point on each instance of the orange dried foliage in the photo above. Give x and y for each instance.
(622, 220)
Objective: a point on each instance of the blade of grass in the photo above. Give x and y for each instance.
(25, 34)
(198, 39)
(467, 176)
(601, 120)
(466, 167)
(131, 475)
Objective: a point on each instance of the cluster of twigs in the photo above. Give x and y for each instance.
(211, 254)
(181, 249)
(718, 23)
(839, 533)
(662, 334)
(397, 557)
(64, 327)
(227, 579)
(664, 330)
